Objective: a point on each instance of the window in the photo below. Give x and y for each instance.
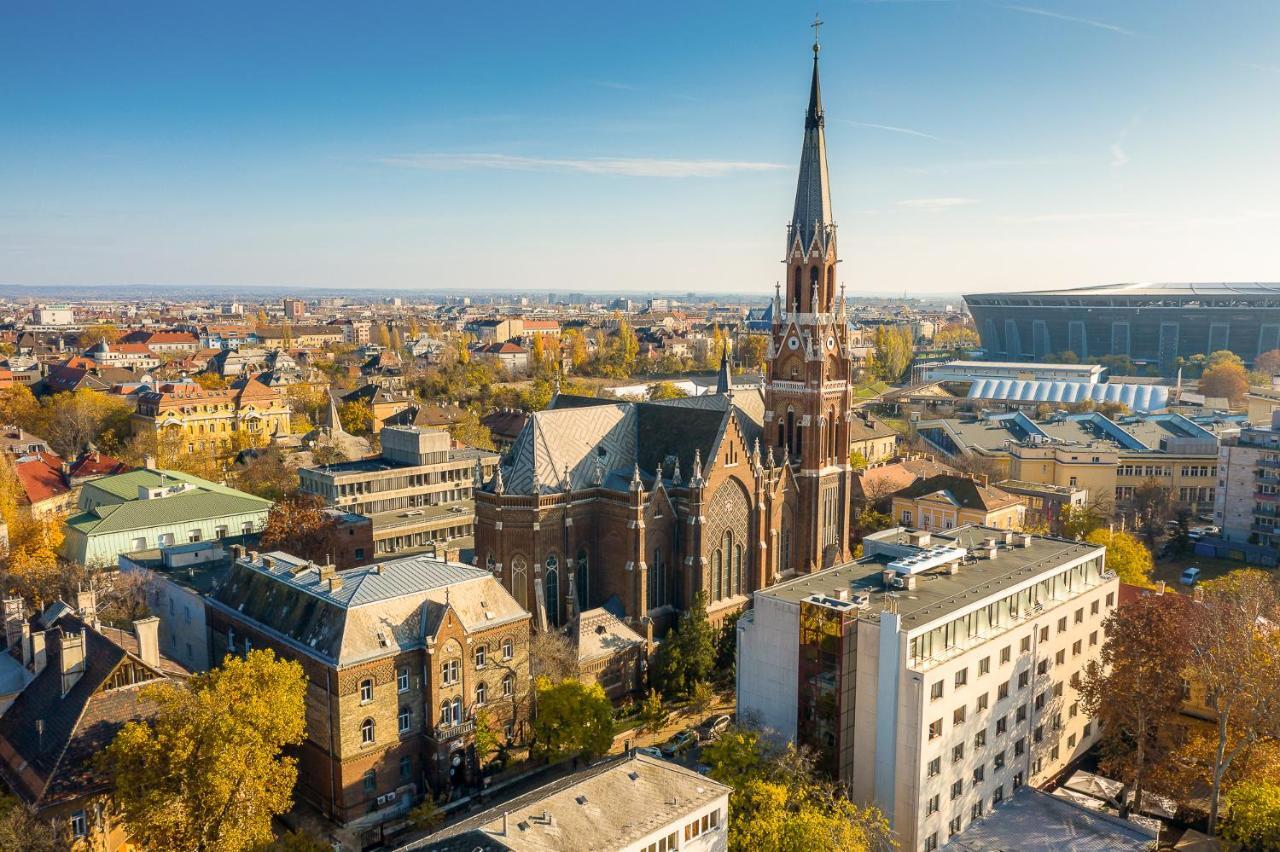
(979, 774)
(1038, 736)
(1079, 617)
(931, 843)
(1040, 701)
(935, 691)
(482, 692)
(1093, 638)
(508, 685)
(1111, 599)
(933, 805)
(984, 666)
(935, 729)
(1088, 728)
(998, 764)
(1093, 608)
(1062, 624)
(370, 782)
(1020, 747)
(480, 654)
(1002, 725)
(1044, 633)
(402, 679)
(980, 739)
(366, 732)
(1026, 644)
(1021, 715)
(1002, 692)
(955, 826)
(1024, 678)
(1042, 667)
(79, 825)
(1057, 689)
(982, 702)
(957, 789)
(366, 691)
(449, 671)
(1060, 657)
(1006, 654)
(1076, 648)
(1071, 741)
(957, 718)
(957, 753)
(405, 719)
(406, 768)
(1073, 710)
(975, 812)
(962, 677)
(935, 766)
(998, 796)
(508, 650)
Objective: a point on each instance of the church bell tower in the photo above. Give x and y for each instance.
(808, 394)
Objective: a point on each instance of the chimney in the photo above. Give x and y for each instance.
(87, 606)
(38, 655)
(71, 660)
(237, 552)
(14, 618)
(888, 575)
(149, 461)
(1024, 540)
(1008, 538)
(148, 632)
(335, 583)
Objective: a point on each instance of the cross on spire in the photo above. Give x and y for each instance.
(816, 25)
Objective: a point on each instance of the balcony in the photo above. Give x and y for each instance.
(1271, 463)
(443, 733)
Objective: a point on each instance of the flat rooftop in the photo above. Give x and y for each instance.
(611, 805)
(462, 510)
(379, 463)
(936, 595)
(1031, 821)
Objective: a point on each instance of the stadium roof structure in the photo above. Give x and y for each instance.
(1143, 398)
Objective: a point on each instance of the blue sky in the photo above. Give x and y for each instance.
(636, 146)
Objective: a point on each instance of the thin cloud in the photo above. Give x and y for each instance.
(892, 129)
(1088, 22)
(625, 166)
(934, 205)
(1119, 156)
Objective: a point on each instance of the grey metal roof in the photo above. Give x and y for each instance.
(813, 189)
(372, 583)
(1179, 288)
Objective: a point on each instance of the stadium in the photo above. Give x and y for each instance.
(1151, 323)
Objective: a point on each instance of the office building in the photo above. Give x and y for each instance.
(418, 493)
(937, 674)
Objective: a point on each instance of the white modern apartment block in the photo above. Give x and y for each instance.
(937, 674)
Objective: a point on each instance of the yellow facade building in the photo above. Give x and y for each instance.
(216, 421)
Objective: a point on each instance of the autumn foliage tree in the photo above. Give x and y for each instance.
(1225, 379)
(299, 525)
(1235, 654)
(1268, 363)
(1134, 689)
(207, 772)
(573, 718)
(1126, 555)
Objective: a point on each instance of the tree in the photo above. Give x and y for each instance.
(486, 736)
(779, 803)
(1079, 522)
(751, 351)
(1118, 365)
(21, 829)
(1235, 654)
(207, 772)
(296, 841)
(955, 335)
(1226, 379)
(892, 352)
(19, 407)
(299, 525)
(652, 714)
(666, 390)
(1223, 356)
(1153, 505)
(1126, 555)
(210, 381)
(727, 647)
(1136, 684)
(100, 332)
(468, 430)
(426, 816)
(576, 344)
(1268, 363)
(76, 419)
(268, 474)
(688, 653)
(701, 697)
(552, 656)
(573, 718)
(1253, 815)
(384, 336)
(356, 417)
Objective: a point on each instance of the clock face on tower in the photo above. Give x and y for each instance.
(793, 343)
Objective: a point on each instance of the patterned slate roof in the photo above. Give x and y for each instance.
(600, 442)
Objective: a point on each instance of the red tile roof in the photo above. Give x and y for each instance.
(41, 477)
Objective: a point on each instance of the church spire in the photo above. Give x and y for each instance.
(813, 190)
(724, 379)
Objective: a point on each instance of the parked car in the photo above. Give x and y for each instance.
(680, 743)
(711, 729)
(1190, 576)
(651, 751)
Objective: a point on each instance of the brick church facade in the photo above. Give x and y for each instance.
(639, 506)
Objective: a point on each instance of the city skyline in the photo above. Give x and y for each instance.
(973, 146)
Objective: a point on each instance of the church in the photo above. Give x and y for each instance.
(639, 506)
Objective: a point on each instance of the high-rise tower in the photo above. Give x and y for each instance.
(808, 401)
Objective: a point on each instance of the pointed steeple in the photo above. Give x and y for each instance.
(675, 474)
(696, 479)
(724, 379)
(812, 212)
(636, 483)
(498, 486)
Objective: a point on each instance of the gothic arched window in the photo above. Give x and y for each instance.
(520, 581)
(726, 578)
(717, 564)
(582, 579)
(737, 570)
(553, 590)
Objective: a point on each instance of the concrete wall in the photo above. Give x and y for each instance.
(768, 651)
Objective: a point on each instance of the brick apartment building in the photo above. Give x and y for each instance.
(400, 656)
